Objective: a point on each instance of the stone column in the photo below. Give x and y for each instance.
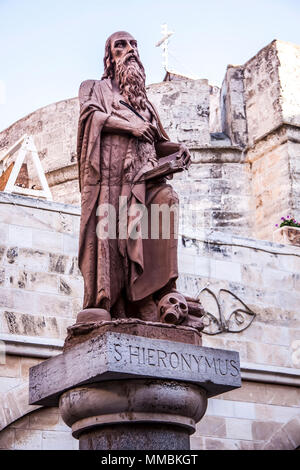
(137, 391)
(133, 414)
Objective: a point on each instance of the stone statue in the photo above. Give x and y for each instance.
(120, 141)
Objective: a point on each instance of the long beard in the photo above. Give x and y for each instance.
(131, 77)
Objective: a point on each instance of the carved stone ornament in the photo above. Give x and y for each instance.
(173, 308)
(287, 235)
(239, 318)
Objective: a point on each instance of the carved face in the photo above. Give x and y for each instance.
(122, 63)
(124, 48)
(173, 308)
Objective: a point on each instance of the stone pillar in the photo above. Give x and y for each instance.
(120, 391)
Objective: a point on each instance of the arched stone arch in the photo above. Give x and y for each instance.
(14, 404)
(287, 437)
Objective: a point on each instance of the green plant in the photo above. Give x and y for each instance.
(288, 220)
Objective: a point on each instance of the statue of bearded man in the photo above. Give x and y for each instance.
(120, 138)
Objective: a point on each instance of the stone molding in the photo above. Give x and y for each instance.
(44, 348)
(226, 239)
(127, 401)
(17, 200)
(31, 346)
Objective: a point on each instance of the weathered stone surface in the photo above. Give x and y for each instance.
(233, 112)
(139, 436)
(114, 403)
(184, 109)
(117, 356)
(287, 235)
(260, 183)
(256, 110)
(79, 333)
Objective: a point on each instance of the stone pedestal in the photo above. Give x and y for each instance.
(132, 391)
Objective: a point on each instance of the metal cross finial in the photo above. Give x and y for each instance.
(165, 42)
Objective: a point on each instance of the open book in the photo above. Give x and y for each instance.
(167, 166)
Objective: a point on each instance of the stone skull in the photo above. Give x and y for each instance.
(173, 308)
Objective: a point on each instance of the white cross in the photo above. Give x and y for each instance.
(165, 42)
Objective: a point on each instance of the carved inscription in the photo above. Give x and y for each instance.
(179, 361)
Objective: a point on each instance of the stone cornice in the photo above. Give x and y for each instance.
(26, 201)
(44, 348)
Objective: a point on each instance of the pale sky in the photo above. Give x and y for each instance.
(48, 47)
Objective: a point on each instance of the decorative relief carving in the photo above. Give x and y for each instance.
(220, 321)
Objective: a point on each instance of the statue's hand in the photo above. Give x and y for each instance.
(144, 130)
(185, 154)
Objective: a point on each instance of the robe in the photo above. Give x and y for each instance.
(111, 165)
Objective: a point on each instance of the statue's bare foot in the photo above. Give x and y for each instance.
(93, 315)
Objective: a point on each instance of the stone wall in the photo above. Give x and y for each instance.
(248, 130)
(245, 174)
(215, 193)
(41, 287)
(41, 293)
(184, 109)
(272, 111)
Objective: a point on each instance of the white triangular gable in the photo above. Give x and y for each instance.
(25, 146)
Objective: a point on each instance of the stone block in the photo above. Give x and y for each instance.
(280, 441)
(261, 353)
(30, 325)
(69, 285)
(33, 260)
(115, 356)
(21, 423)
(31, 281)
(26, 363)
(231, 409)
(6, 298)
(11, 368)
(59, 263)
(292, 430)
(58, 440)
(220, 444)
(7, 439)
(70, 244)
(226, 270)
(197, 443)
(240, 346)
(20, 236)
(28, 439)
(280, 414)
(238, 428)
(211, 426)
(8, 383)
(60, 305)
(263, 430)
(44, 419)
(46, 239)
(4, 233)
